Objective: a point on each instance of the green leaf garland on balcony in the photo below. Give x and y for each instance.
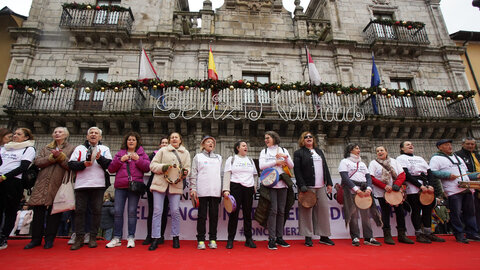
(46, 86)
(82, 6)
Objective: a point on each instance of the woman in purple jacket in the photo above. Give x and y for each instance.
(131, 159)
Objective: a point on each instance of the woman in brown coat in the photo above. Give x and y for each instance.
(53, 162)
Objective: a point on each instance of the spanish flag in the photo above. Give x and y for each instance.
(212, 72)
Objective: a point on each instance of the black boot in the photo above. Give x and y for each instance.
(176, 242)
(92, 242)
(79, 239)
(32, 244)
(161, 240)
(230, 244)
(147, 240)
(402, 237)
(154, 244)
(387, 237)
(249, 243)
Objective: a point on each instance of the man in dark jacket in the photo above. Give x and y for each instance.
(472, 159)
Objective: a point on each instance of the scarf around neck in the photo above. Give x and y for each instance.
(354, 158)
(19, 145)
(387, 170)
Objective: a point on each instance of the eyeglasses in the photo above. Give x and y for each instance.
(308, 136)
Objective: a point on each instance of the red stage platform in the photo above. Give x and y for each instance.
(448, 255)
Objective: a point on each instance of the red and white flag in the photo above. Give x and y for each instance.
(312, 70)
(146, 70)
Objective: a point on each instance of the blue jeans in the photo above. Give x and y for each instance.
(121, 196)
(158, 200)
(462, 209)
(107, 234)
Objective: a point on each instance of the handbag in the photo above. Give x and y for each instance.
(135, 186)
(65, 197)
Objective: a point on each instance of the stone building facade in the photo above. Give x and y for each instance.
(251, 40)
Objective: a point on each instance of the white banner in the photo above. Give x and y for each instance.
(188, 223)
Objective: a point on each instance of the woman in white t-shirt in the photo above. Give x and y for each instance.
(387, 176)
(356, 180)
(16, 157)
(240, 180)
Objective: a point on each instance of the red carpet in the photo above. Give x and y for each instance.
(449, 255)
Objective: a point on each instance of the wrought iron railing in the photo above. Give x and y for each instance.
(377, 31)
(240, 103)
(97, 19)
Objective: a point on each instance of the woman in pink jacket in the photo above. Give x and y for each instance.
(130, 163)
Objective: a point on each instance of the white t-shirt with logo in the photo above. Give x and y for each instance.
(93, 176)
(415, 165)
(318, 167)
(349, 166)
(12, 159)
(242, 170)
(442, 163)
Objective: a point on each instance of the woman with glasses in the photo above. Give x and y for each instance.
(312, 175)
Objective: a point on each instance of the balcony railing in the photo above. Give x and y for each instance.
(186, 22)
(376, 31)
(97, 19)
(240, 103)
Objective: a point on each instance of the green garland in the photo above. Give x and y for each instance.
(406, 24)
(78, 6)
(45, 86)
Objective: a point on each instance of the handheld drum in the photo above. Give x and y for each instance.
(269, 177)
(426, 198)
(307, 199)
(363, 202)
(172, 175)
(230, 203)
(394, 198)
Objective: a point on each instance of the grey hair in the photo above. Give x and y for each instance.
(468, 139)
(97, 128)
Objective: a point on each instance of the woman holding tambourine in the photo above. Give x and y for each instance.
(279, 159)
(357, 186)
(388, 177)
(206, 185)
(313, 176)
(171, 165)
(419, 180)
(240, 181)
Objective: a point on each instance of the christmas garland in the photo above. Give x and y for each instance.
(406, 24)
(78, 6)
(46, 86)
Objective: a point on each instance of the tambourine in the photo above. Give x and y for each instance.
(269, 177)
(230, 203)
(195, 201)
(426, 198)
(363, 202)
(307, 199)
(173, 174)
(394, 198)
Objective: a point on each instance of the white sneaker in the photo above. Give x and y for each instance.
(201, 245)
(72, 239)
(131, 243)
(87, 238)
(212, 244)
(115, 242)
(3, 245)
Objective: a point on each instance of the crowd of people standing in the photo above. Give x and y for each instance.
(172, 170)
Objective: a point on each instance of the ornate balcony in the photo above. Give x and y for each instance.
(400, 38)
(90, 24)
(237, 104)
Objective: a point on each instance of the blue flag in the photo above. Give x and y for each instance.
(375, 82)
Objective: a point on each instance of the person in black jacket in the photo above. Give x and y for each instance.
(312, 175)
(472, 159)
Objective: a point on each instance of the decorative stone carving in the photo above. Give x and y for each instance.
(382, 2)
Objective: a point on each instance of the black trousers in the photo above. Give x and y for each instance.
(93, 199)
(421, 214)
(150, 214)
(209, 204)
(11, 192)
(387, 210)
(244, 199)
(41, 214)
